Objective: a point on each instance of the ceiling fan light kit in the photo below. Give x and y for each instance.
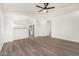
(45, 11)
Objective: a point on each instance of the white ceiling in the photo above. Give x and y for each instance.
(31, 10)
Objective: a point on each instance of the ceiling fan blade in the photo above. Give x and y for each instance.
(50, 7)
(45, 5)
(40, 10)
(39, 6)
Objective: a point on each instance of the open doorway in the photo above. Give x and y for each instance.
(31, 31)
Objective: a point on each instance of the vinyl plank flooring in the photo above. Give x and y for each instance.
(40, 46)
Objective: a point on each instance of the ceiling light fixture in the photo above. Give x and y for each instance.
(45, 11)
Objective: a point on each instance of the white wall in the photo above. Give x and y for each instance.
(42, 27)
(66, 26)
(20, 33)
(0, 30)
(1, 27)
(8, 36)
(21, 29)
(11, 31)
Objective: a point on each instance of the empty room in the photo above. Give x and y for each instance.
(39, 29)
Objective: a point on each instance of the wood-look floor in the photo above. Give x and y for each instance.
(41, 46)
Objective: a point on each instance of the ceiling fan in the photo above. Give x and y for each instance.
(45, 7)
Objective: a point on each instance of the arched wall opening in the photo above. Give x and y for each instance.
(16, 26)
